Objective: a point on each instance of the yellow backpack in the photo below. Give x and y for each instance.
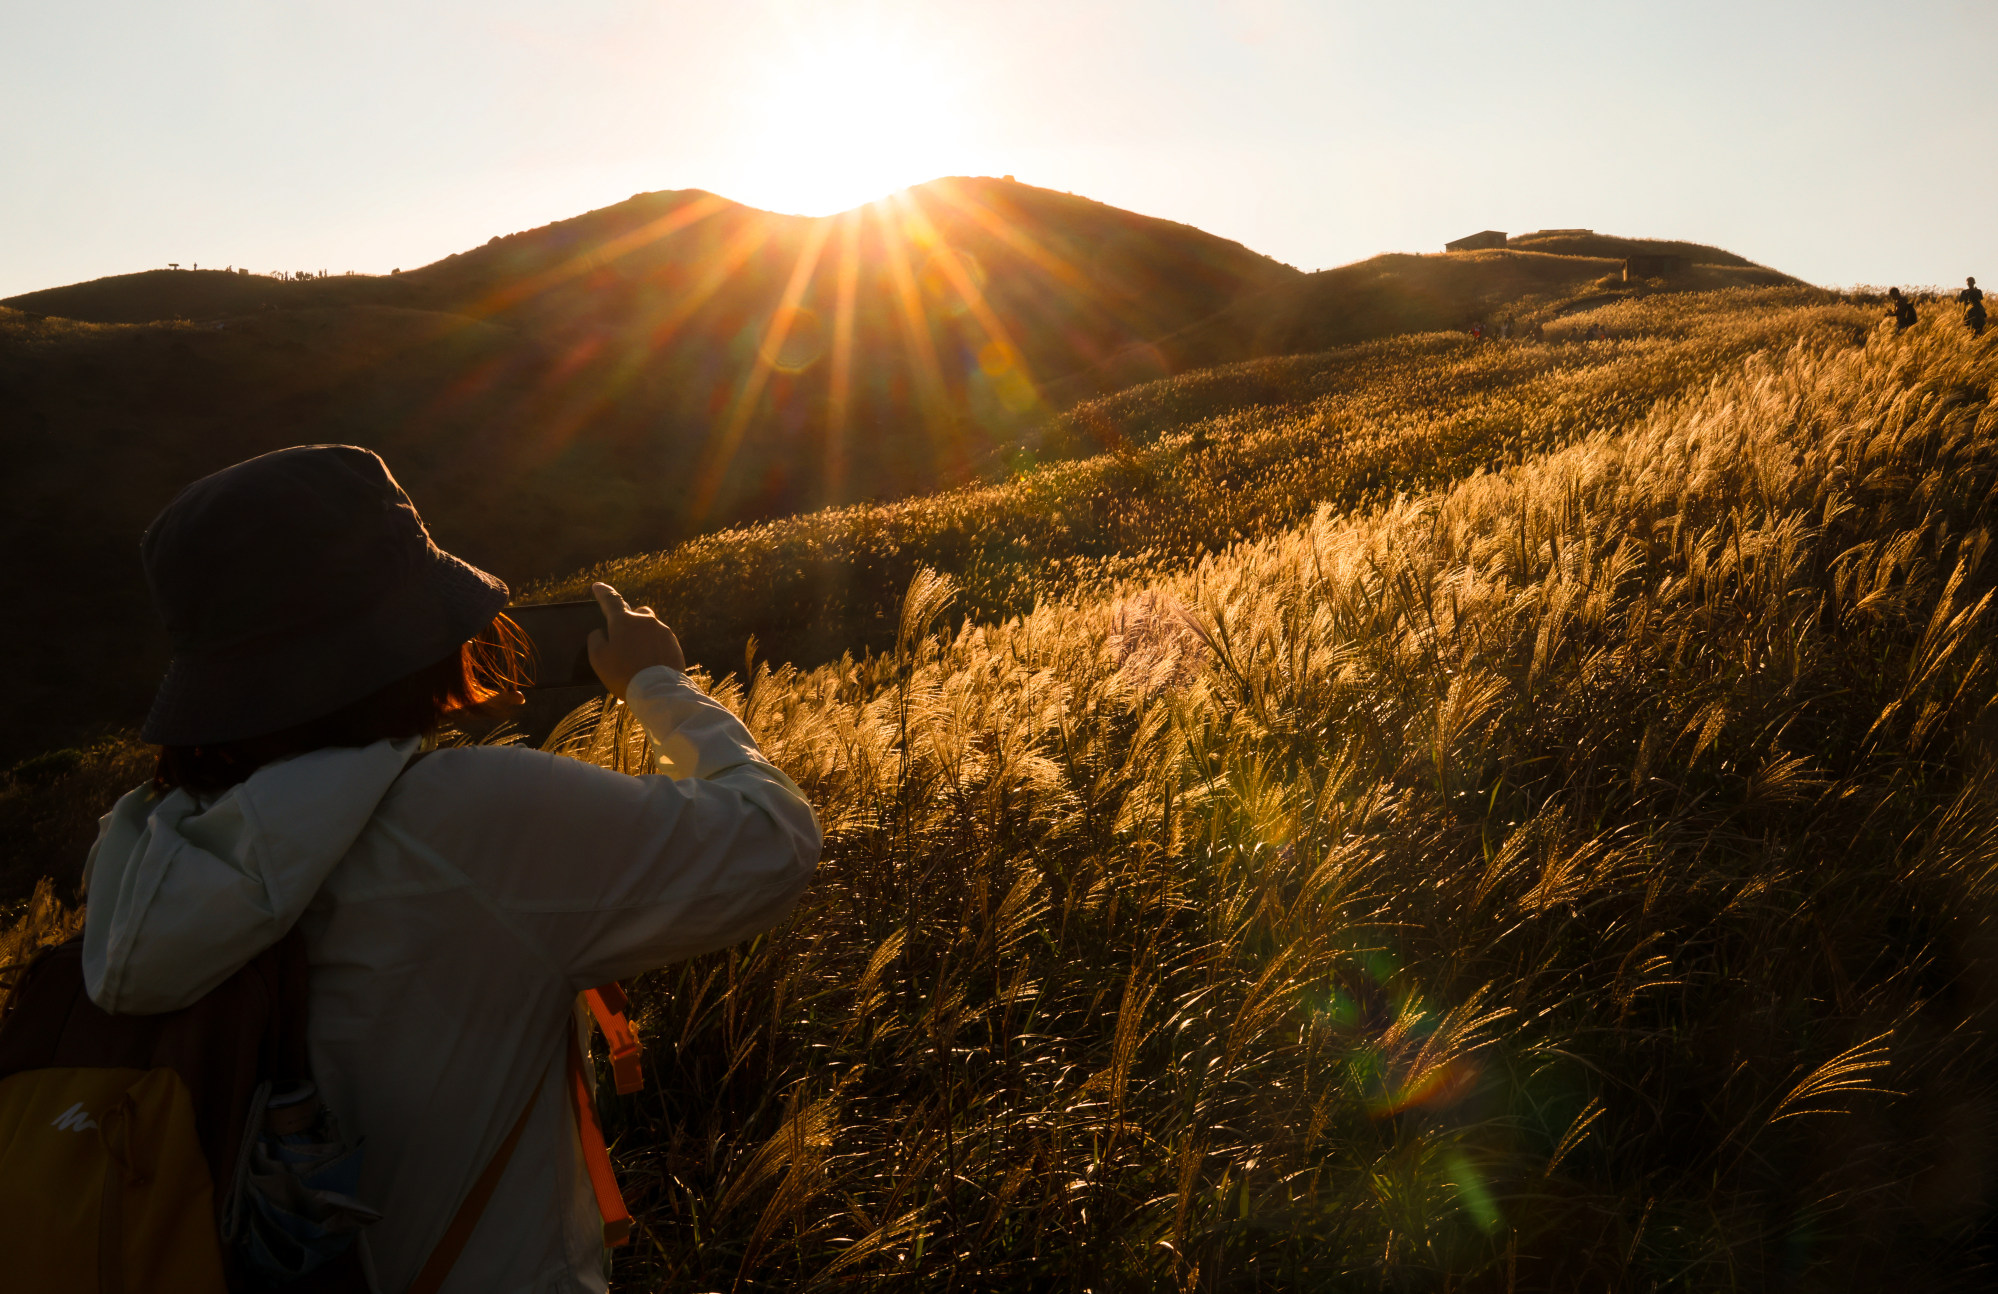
(126, 1141)
(102, 1179)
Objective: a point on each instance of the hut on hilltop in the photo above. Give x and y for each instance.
(1477, 242)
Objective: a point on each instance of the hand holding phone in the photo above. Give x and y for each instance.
(629, 642)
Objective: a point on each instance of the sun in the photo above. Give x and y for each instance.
(844, 116)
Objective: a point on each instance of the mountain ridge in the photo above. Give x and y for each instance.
(638, 375)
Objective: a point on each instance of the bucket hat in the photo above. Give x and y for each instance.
(296, 583)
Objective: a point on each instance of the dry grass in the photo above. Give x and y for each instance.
(1575, 875)
(49, 806)
(1155, 477)
(1576, 878)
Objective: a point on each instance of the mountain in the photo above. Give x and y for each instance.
(632, 377)
(620, 380)
(896, 340)
(1402, 293)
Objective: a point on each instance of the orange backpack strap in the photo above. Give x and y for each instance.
(596, 1156)
(452, 1243)
(607, 1003)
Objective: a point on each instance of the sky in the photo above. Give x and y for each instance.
(1847, 143)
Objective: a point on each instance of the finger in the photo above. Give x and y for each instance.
(609, 601)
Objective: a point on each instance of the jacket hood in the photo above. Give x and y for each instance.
(183, 894)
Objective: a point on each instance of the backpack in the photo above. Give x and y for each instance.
(130, 1145)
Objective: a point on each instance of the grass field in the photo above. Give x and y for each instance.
(676, 365)
(1418, 817)
(1155, 477)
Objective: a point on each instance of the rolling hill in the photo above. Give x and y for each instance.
(643, 374)
(1421, 814)
(1402, 293)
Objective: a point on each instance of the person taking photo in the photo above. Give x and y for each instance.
(453, 904)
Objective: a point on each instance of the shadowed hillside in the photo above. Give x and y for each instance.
(558, 396)
(775, 362)
(640, 375)
(1402, 293)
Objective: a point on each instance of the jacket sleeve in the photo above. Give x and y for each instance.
(608, 875)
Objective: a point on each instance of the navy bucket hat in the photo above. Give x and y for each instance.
(294, 584)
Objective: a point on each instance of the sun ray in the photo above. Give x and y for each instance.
(918, 344)
(573, 410)
(721, 450)
(512, 294)
(741, 245)
(1067, 275)
(570, 405)
(972, 295)
(839, 400)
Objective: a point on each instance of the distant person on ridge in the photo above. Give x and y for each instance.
(1972, 301)
(1900, 310)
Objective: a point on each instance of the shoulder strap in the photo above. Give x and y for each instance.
(596, 1155)
(607, 1003)
(430, 1278)
(596, 1159)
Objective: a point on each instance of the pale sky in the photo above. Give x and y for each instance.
(1843, 142)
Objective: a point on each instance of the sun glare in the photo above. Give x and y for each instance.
(848, 116)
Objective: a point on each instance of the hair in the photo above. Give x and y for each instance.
(486, 668)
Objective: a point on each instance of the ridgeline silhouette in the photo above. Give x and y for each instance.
(651, 371)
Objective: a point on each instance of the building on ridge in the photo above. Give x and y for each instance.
(1477, 242)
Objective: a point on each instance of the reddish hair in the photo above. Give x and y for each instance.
(482, 670)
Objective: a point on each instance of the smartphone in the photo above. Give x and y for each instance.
(561, 635)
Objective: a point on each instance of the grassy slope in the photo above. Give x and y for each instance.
(1569, 875)
(658, 310)
(565, 394)
(1611, 247)
(1574, 877)
(1199, 462)
(1202, 461)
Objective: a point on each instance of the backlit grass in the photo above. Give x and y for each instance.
(1562, 860)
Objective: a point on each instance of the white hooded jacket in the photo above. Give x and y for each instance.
(451, 917)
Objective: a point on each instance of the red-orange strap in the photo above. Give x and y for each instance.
(473, 1206)
(596, 1155)
(607, 1004)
